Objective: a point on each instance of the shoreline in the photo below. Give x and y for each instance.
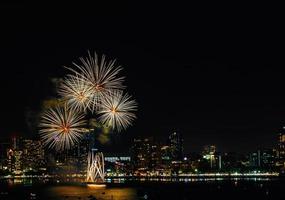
(202, 175)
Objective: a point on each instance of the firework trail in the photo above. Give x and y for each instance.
(76, 92)
(100, 75)
(61, 127)
(116, 110)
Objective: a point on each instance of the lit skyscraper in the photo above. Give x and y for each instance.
(18, 155)
(4, 145)
(141, 154)
(281, 144)
(176, 145)
(33, 156)
(10, 160)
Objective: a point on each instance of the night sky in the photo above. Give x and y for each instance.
(215, 76)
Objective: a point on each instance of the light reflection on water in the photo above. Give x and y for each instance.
(123, 180)
(30, 181)
(165, 188)
(81, 192)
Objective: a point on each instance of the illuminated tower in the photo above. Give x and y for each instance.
(10, 160)
(281, 148)
(95, 160)
(176, 145)
(95, 168)
(18, 154)
(281, 145)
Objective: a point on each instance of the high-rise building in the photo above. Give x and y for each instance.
(176, 144)
(166, 156)
(71, 161)
(268, 158)
(155, 156)
(18, 156)
(281, 145)
(10, 160)
(254, 159)
(280, 150)
(78, 155)
(141, 153)
(33, 155)
(4, 145)
(263, 158)
(16, 142)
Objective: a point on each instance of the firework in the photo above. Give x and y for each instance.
(100, 75)
(116, 110)
(61, 127)
(76, 92)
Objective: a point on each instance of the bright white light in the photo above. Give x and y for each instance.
(95, 168)
(100, 75)
(61, 127)
(76, 92)
(116, 110)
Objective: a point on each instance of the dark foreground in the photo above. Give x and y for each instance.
(200, 189)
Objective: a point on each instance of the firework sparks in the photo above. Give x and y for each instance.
(116, 110)
(61, 127)
(77, 93)
(100, 75)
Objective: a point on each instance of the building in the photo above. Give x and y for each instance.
(18, 164)
(149, 156)
(141, 154)
(117, 164)
(209, 154)
(254, 159)
(4, 146)
(117, 158)
(11, 155)
(281, 148)
(16, 142)
(33, 155)
(175, 142)
(155, 157)
(77, 156)
(10, 160)
(263, 159)
(166, 157)
(71, 161)
(81, 153)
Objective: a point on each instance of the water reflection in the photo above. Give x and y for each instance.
(31, 181)
(156, 188)
(81, 192)
(214, 179)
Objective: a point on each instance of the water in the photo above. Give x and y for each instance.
(135, 190)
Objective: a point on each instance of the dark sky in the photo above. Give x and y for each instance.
(215, 75)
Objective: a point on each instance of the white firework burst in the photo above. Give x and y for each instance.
(116, 110)
(61, 127)
(100, 75)
(76, 92)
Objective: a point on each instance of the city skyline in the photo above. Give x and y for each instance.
(109, 146)
(146, 157)
(210, 87)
